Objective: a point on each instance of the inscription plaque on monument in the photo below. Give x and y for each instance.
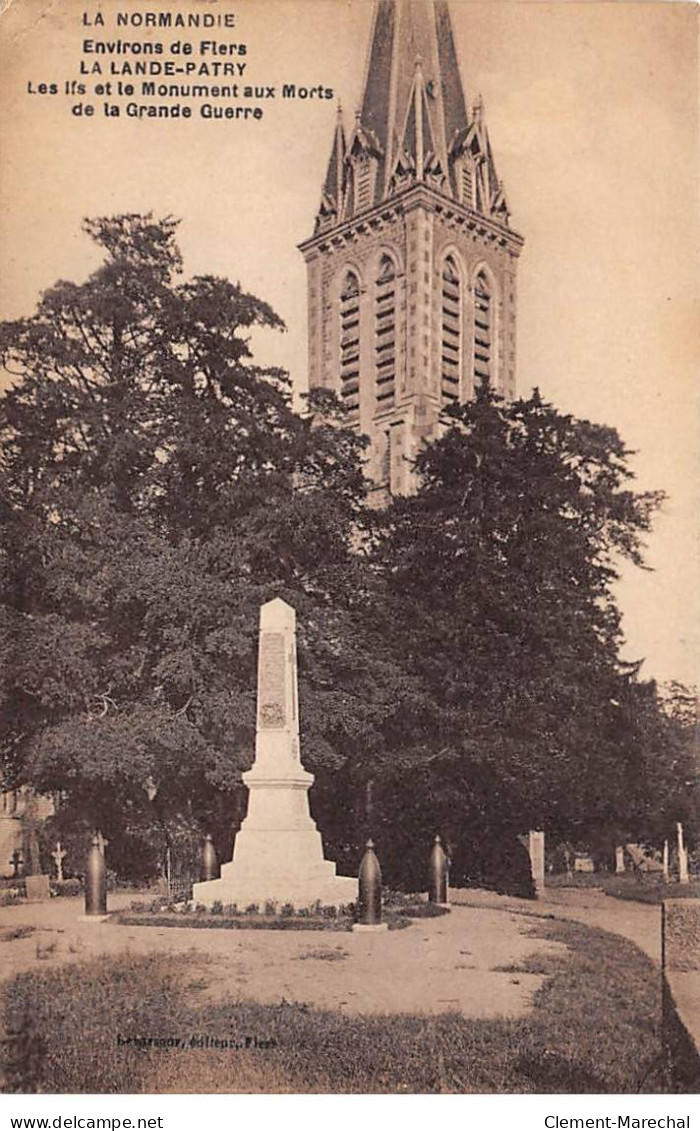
(272, 708)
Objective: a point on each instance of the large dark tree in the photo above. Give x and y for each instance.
(157, 488)
(504, 562)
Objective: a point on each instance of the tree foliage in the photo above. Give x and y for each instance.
(459, 651)
(158, 487)
(506, 558)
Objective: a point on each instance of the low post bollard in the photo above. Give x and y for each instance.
(437, 885)
(209, 864)
(370, 893)
(95, 880)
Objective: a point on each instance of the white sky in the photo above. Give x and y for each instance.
(592, 111)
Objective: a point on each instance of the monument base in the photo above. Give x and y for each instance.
(299, 891)
(278, 865)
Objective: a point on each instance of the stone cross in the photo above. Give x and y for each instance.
(101, 842)
(58, 856)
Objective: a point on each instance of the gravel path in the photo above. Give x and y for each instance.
(638, 922)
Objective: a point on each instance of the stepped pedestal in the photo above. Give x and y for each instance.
(278, 852)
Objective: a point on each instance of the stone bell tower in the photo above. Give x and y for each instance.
(412, 265)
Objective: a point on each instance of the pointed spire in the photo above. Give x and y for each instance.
(333, 184)
(413, 123)
(404, 32)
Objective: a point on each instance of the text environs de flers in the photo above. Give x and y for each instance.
(208, 58)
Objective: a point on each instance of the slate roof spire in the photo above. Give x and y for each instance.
(414, 123)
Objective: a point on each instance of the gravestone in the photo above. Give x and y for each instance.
(683, 877)
(584, 863)
(37, 887)
(619, 860)
(278, 852)
(535, 847)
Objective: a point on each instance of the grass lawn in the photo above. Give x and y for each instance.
(640, 887)
(594, 1028)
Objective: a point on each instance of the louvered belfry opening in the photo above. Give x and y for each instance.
(363, 186)
(385, 333)
(413, 260)
(467, 184)
(451, 343)
(350, 345)
(483, 330)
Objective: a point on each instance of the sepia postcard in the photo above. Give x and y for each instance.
(348, 412)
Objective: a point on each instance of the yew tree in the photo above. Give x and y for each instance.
(505, 559)
(157, 487)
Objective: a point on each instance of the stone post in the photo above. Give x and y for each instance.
(370, 893)
(95, 881)
(619, 860)
(210, 864)
(536, 850)
(665, 862)
(437, 888)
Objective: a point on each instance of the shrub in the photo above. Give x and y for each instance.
(217, 907)
(270, 907)
(71, 887)
(10, 896)
(287, 910)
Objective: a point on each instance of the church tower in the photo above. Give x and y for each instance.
(412, 265)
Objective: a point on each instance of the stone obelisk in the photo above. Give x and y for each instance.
(277, 853)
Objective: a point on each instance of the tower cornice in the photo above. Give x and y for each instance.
(416, 196)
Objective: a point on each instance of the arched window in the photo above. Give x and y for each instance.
(451, 336)
(350, 344)
(385, 332)
(483, 330)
